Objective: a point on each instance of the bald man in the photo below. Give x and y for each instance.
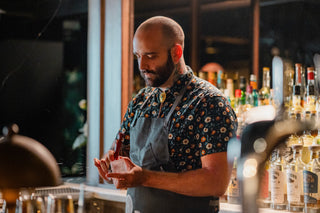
(176, 130)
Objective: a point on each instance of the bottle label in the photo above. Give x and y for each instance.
(310, 186)
(277, 186)
(294, 185)
(264, 188)
(233, 190)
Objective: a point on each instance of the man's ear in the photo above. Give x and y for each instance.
(176, 53)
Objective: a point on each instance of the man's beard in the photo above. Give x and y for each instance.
(161, 74)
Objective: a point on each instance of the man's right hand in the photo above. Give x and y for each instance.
(103, 165)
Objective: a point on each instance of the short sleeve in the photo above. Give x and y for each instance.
(217, 123)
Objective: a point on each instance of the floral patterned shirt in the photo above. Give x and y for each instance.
(201, 124)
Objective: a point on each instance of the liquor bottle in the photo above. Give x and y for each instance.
(296, 108)
(316, 139)
(253, 81)
(295, 181)
(311, 187)
(271, 98)
(310, 100)
(278, 184)
(255, 96)
(249, 98)
(239, 110)
(242, 85)
(264, 194)
(307, 139)
(220, 80)
(264, 92)
(231, 91)
(294, 139)
(233, 188)
(212, 78)
(288, 88)
(237, 102)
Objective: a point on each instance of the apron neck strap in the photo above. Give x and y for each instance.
(176, 102)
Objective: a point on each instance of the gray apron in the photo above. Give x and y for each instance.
(149, 150)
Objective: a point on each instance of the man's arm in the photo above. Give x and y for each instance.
(211, 180)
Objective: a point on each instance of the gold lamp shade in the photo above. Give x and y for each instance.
(25, 163)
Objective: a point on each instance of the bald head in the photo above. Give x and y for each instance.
(172, 32)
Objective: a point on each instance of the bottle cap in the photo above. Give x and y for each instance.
(238, 93)
(310, 73)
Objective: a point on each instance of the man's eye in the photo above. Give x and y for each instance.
(151, 56)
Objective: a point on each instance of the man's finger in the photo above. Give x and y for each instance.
(116, 175)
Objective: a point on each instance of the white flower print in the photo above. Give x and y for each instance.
(223, 129)
(182, 163)
(197, 136)
(154, 112)
(190, 127)
(187, 150)
(170, 136)
(185, 141)
(220, 104)
(205, 129)
(226, 139)
(209, 146)
(190, 117)
(207, 120)
(179, 113)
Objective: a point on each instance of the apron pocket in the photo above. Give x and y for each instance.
(144, 157)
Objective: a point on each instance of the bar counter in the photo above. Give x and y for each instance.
(114, 197)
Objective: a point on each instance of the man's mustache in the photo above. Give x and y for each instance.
(148, 71)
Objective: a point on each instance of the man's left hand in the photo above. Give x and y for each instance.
(134, 177)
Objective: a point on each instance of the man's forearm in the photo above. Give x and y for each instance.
(200, 182)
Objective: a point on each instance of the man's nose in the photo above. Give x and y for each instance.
(143, 65)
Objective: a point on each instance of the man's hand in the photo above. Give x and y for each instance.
(134, 177)
(104, 164)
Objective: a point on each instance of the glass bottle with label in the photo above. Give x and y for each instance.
(310, 101)
(296, 107)
(307, 139)
(295, 181)
(278, 184)
(264, 92)
(311, 178)
(233, 188)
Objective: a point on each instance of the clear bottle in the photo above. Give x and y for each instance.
(307, 139)
(295, 181)
(264, 92)
(310, 100)
(233, 188)
(240, 111)
(231, 91)
(311, 178)
(278, 183)
(296, 108)
(249, 98)
(316, 139)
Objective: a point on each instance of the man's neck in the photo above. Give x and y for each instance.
(179, 69)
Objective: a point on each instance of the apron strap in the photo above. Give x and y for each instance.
(176, 102)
